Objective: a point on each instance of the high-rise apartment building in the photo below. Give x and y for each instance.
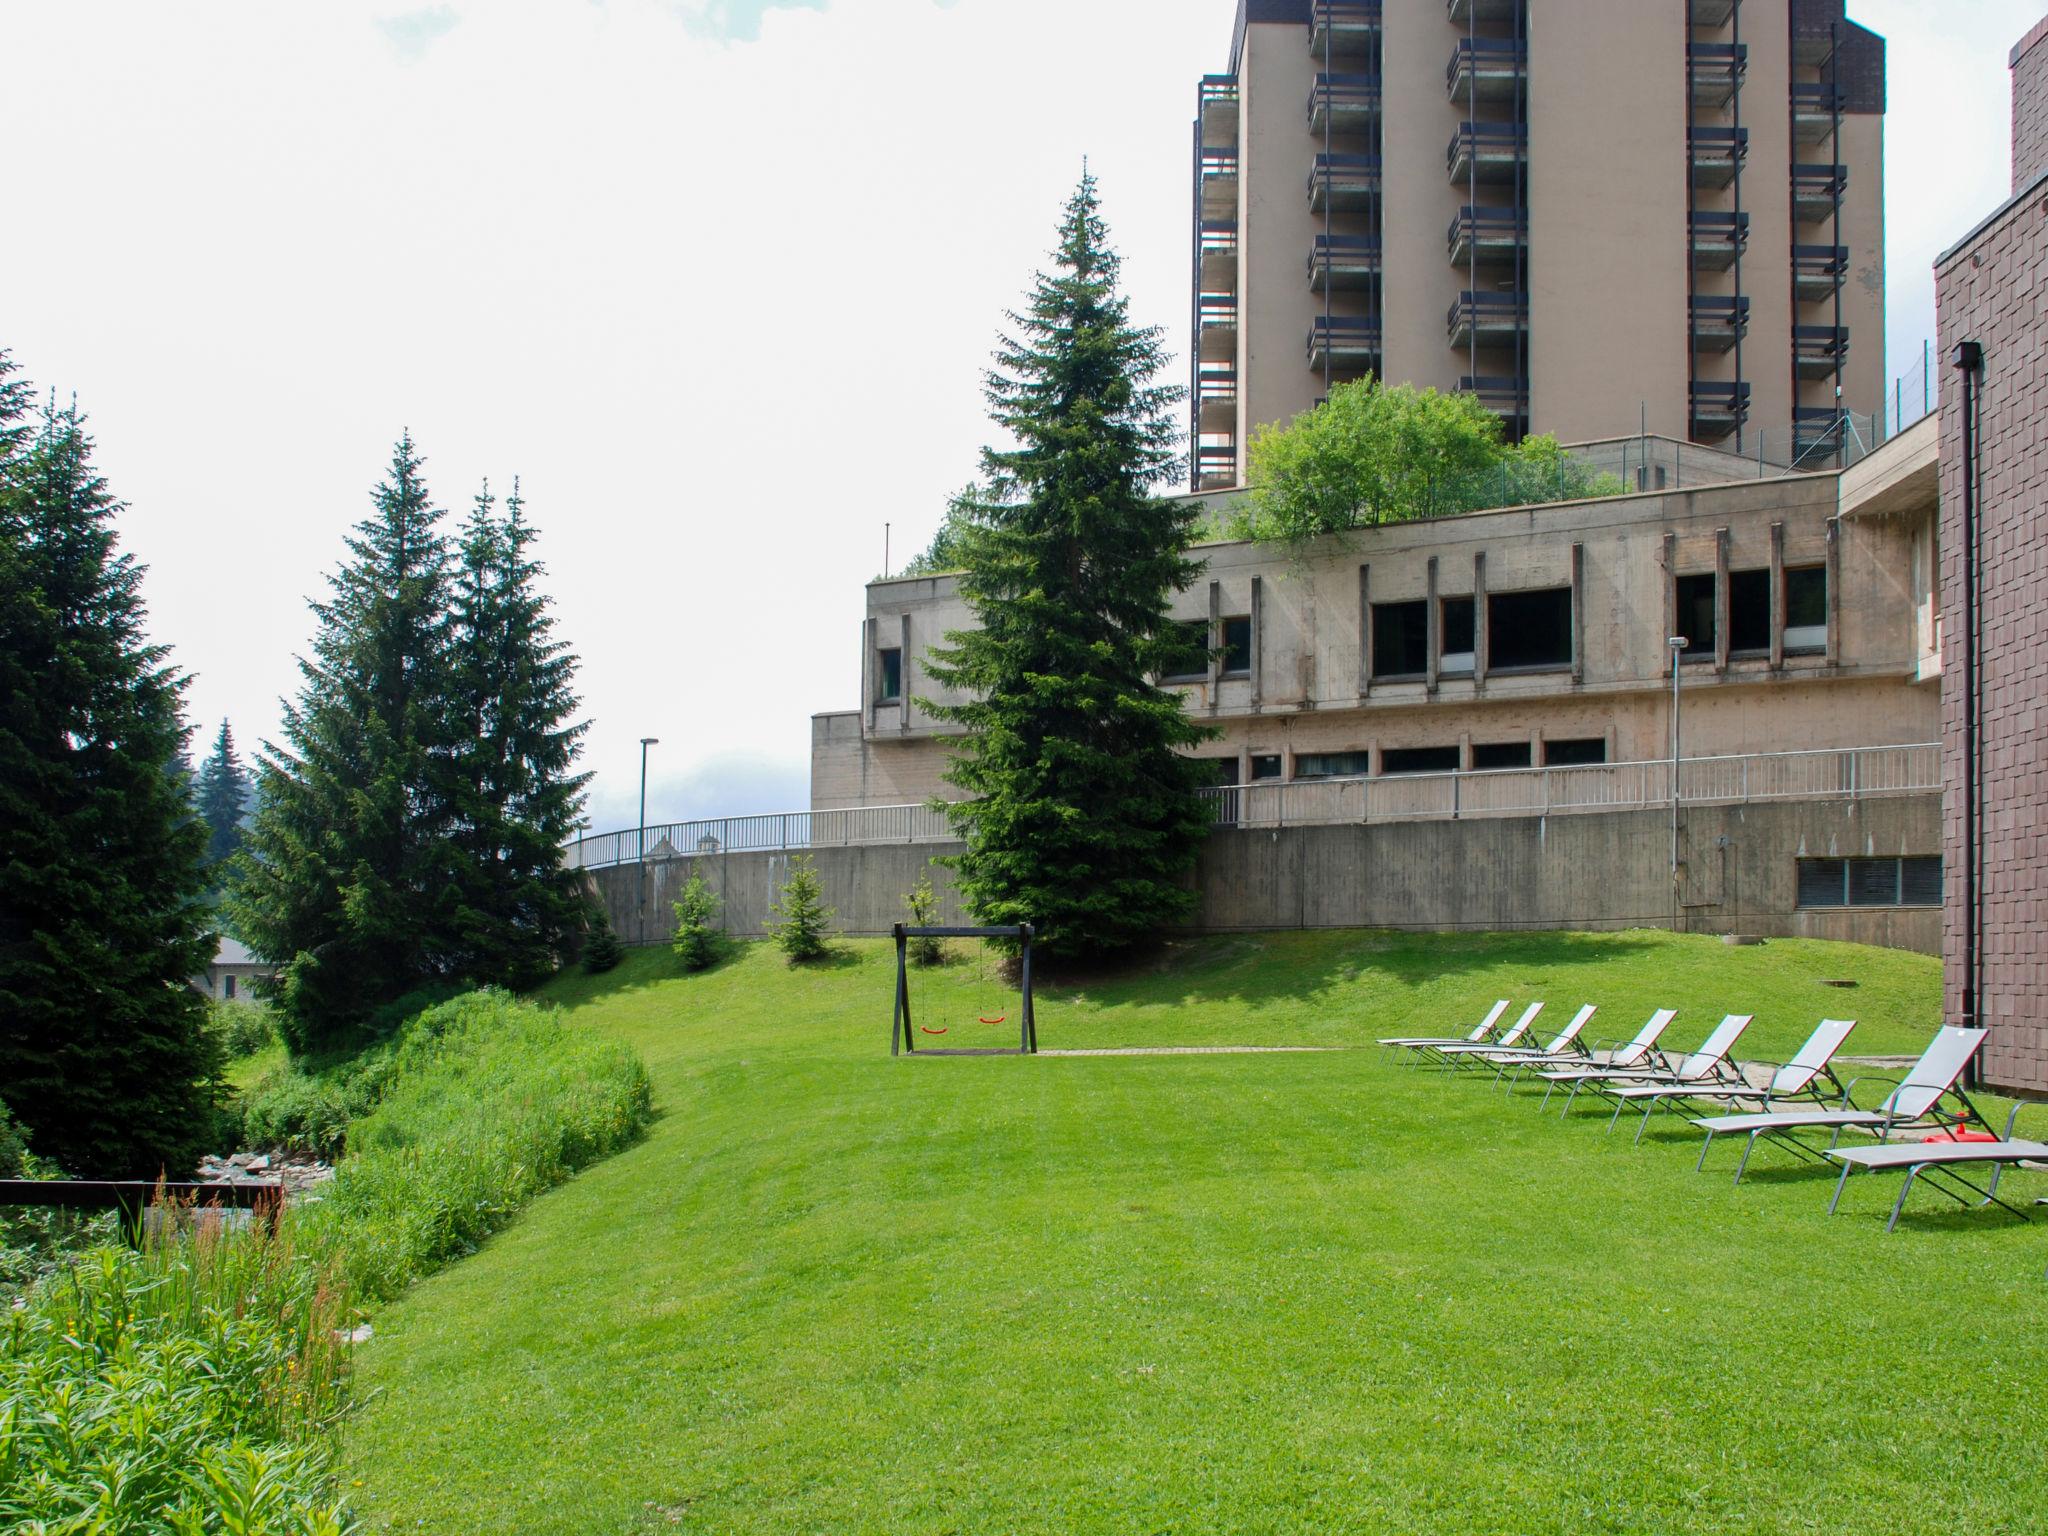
(1601, 216)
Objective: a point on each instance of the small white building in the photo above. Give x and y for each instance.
(228, 979)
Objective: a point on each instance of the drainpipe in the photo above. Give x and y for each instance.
(1968, 360)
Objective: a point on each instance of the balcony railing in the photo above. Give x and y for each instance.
(1717, 71)
(1217, 164)
(1215, 466)
(1718, 408)
(1487, 152)
(1216, 401)
(1854, 773)
(1216, 109)
(1815, 106)
(1487, 319)
(1216, 323)
(1818, 270)
(1506, 395)
(1344, 29)
(1344, 104)
(1817, 191)
(1487, 236)
(1344, 181)
(1462, 12)
(1218, 256)
(1717, 154)
(1712, 13)
(1485, 69)
(1344, 343)
(1818, 350)
(1717, 239)
(1718, 322)
(1344, 261)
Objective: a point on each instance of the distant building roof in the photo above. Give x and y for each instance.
(234, 952)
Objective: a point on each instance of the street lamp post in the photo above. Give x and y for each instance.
(645, 743)
(1677, 643)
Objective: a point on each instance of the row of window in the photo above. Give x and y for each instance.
(1805, 599)
(1901, 882)
(1270, 767)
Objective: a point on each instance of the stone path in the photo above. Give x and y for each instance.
(1200, 1050)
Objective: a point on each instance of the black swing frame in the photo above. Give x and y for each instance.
(903, 1034)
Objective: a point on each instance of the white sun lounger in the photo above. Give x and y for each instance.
(1799, 1078)
(1429, 1042)
(1639, 1052)
(1562, 1046)
(1707, 1065)
(1517, 1033)
(1938, 1160)
(1916, 1098)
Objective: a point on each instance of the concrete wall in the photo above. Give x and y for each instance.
(1600, 870)
(1419, 198)
(1276, 231)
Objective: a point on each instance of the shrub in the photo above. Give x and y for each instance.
(241, 1029)
(602, 950)
(12, 1149)
(923, 903)
(799, 925)
(696, 941)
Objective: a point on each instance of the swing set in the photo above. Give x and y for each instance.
(903, 1031)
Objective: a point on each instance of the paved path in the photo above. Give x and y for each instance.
(1199, 1050)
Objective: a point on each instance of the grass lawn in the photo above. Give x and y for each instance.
(1245, 1293)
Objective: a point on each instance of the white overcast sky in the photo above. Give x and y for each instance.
(716, 278)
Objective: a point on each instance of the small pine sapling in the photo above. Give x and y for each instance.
(696, 940)
(923, 903)
(799, 925)
(601, 948)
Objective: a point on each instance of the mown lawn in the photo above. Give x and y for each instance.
(832, 1292)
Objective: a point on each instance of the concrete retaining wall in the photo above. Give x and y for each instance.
(1597, 870)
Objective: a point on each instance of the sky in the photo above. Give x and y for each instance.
(717, 279)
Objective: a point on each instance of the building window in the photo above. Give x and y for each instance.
(1749, 613)
(1193, 634)
(1575, 753)
(1332, 765)
(1695, 612)
(1458, 616)
(1906, 882)
(890, 688)
(1400, 640)
(1419, 760)
(1529, 631)
(1806, 608)
(227, 988)
(1266, 765)
(1237, 646)
(1491, 757)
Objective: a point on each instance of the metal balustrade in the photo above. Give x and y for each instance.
(1852, 773)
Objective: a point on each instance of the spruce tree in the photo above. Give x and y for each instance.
(223, 798)
(348, 875)
(1081, 814)
(518, 798)
(103, 1057)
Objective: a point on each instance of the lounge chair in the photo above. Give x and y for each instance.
(1430, 1042)
(1516, 1034)
(1562, 1046)
(1639, 1052)
(1799, 1078)
(1938, 1160)
(1915, 1100)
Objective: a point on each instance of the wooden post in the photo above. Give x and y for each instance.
(899, 1022)
(1029, 1042)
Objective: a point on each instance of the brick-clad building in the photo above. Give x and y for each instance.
(1992, 317)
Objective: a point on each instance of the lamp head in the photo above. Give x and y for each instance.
(650, 741)
(1678, 642)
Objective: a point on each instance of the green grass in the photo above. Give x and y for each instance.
(1308, 1292)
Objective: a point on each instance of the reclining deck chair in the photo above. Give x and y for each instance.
(1937, 1160)
(1799, 1078)
(1431, 1042)
(1561, 1047)
(1639, 1053)
(1516, 1039)
(1915, 1100)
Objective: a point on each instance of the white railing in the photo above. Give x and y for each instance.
(1850, 773)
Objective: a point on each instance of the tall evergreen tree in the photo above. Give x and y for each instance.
(347, 877)
(102, 918)
(518, 798)
(223, 798)
(1082, 815)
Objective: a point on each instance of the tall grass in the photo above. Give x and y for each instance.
(187, 1387)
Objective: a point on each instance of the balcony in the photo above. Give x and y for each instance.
(1817, 191)
(1343, 262)
(1717, 154)
(1217, 257)
(1486, 69)
(1344, 104)
(1489, 153)
(1718, 322)
(1813, 37)
(1503, 394)
(1488, 237)
(1717, 71)
(1344, 29)
(1818, 435)
(1818, 351)
(1462, 12)
(1487, 319)
(1215, 466)
(1814, 110)
(1216, 109)
(1216, 326)
(1215, 401)
(1712, 13)
(1217, 179)
(1817, 271)
(1344, 183)
(1718, 409)
(1344, 344)
(1717, 239)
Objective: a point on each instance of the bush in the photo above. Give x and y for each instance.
(696, 941)
(602, 950)
(12, 1148)
(241, 1029)
(801, 916)
(923, 903)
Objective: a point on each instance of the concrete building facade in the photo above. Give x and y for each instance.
(1991, 299)
(1598, 215)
